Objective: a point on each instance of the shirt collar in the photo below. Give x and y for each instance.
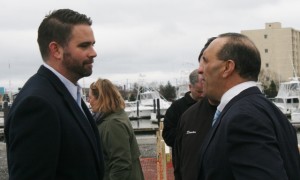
(72, 88)
(234, 91)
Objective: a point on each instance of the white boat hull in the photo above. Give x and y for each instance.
(295, 119)
(143, 113)
(146, 103)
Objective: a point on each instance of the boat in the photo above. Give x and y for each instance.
(146, 104)
(135, 110)
(288, 96)
(181, 90)
(295, 117)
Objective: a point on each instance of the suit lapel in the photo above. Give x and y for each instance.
(84, 121)
(212, 132)
(209, 137)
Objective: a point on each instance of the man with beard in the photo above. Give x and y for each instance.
(50, 132)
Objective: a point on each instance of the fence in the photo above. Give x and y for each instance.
(158, 167)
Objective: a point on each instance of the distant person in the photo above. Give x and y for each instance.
(5, 98)
(250, 137)
(193, 126)
(50, 133)
(178, 107)
(120, 147)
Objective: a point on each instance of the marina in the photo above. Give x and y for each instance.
(148, 101)
(288, 96)
(288, 100)
(147, 134)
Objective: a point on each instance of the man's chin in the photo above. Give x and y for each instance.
(87, 73)
(88, 70)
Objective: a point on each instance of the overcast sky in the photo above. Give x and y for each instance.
(153, 40)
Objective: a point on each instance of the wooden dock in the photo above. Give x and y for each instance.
(144, 126)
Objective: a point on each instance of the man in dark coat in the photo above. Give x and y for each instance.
(178, 107)
(193, 126)
(50, 132)
(250, 137)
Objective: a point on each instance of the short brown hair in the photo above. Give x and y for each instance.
(57, 26)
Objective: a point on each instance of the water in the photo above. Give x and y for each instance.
(143, 124)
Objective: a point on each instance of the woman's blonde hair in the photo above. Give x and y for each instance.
(108, 97)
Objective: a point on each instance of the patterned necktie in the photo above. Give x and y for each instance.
(216, 117)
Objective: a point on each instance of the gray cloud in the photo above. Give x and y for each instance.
(158, 39)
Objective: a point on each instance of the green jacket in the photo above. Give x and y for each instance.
(120, 147)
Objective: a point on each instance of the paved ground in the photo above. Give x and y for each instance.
(147, 144)
(3, 162)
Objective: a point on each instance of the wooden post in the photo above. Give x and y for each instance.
(138, 113)
(6, 109)
(154, 106)
(158, 151)
(158, 112)
(5, 115)
(161, 156)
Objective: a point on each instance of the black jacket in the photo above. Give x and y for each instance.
(173, 115)
(192, 129)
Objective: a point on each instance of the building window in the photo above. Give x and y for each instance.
(267, 65)
(266, 36)
(266, 50)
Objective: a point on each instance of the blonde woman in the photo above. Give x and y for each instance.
(120, 148)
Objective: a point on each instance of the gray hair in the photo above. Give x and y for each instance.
(194, 77)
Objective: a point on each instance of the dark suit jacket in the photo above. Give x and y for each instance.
(251, 140)
(48, 136)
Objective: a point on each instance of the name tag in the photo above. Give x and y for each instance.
(191, 132)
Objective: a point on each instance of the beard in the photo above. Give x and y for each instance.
(77, 67)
